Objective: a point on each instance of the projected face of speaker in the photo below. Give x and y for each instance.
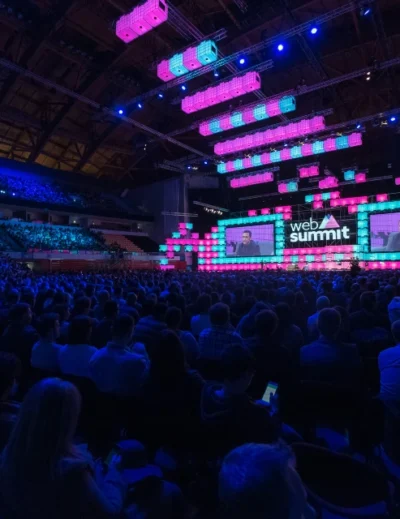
(384, 232)
(250, 241)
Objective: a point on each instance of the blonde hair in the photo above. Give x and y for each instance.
(41, 438)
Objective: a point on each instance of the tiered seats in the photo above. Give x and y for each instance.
(121, 241)
(145, 243)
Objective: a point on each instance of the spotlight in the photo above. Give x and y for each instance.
(139, 105)
(183, 87)
(280, 47)
(216, 73)
(242, 61)
(205, 162)
(189, 167)
(314, 30)
(358, 126)
(121, 112)
(393, 119)
(160, 95)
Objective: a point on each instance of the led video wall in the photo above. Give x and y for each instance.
(329, 238)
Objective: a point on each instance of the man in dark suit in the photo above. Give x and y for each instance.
(248, 247)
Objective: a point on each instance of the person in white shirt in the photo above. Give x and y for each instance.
(389, 367)
(75, 356)
(45, 352)
(117, 368)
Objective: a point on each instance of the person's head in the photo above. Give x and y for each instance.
(322, 302)
(10, 369)
(12, 297)
(396, 331)
(266, 323)
(226, 298)
(246, 237)
(111, 309)
(159, 311)
(259, 481)
(21, 314)
(204, 303)
(123, 330)
(219, 314)
(42, 436)
(329, 323)
(167, 357)
(367, 301)
(103, 296)
(80, 330)
(49, 327)
(82, 306)
(173, 318)
(63, 312)
(284, 314)
(28, 296)
(131, 300)
(238, 367)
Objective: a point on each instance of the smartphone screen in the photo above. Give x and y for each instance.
(270, 391)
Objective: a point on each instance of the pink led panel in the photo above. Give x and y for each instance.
(269, 136)
(250, 180)
(141, 19)
(328, 182)
(309, 171)
(220, 93)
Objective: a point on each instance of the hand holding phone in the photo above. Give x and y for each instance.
(270, 390)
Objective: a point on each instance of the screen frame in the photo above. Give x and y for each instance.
(253, 225)
(279, 239)
(364, 230)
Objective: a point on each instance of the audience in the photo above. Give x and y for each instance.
(102, 334)
(42, 473)
(10, 368)
(74, 357)
(149, 328)
(173, 320)
(118, 368)
(389, 367)
(220, 335)
(201, 321)
(328, 360)
(312, 323)
(261, 481)
(45, 352)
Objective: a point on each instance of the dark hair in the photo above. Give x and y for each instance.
(284, 314)
(47, 323)
(131, 299)
(10, 369)
(61, 310)
(159, 311)
(219, 314)
(266, 323)
(18, 311)
(173, 317)
(248, 232)
(204, 303)
(236, 361)
(110, 309)
(367, 301)
(81, 305)
(79, 330)
(329, 321)
(167, 357)
(122, 326)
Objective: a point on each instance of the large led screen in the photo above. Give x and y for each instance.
(384, 232)
(250, 241)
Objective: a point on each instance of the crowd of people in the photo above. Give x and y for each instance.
(41, 237)
(177, 395)
(45, 191)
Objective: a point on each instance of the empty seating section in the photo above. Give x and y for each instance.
(122, 241)
(145, 243)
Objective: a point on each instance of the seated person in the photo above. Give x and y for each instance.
(148, 329)
(102, 333)
(220, 335)
(312, 323)
(46, 351)
(230, 415)
(389, 367)
(115, 368)
(173, 319)
(201, 321)
(74, 357)
(327, 359)
(10, 368)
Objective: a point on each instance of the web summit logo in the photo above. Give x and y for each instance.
(311, 231)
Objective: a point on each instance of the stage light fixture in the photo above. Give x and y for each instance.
(160, 95)
(205, 162)
(280, 47)
(242, 61)
(393, 119)
(216, 73)
(189, 167)
(183, 87)
(314, 30)
(139, 105)
(358, 126)
(365, 10)
(121, 112)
